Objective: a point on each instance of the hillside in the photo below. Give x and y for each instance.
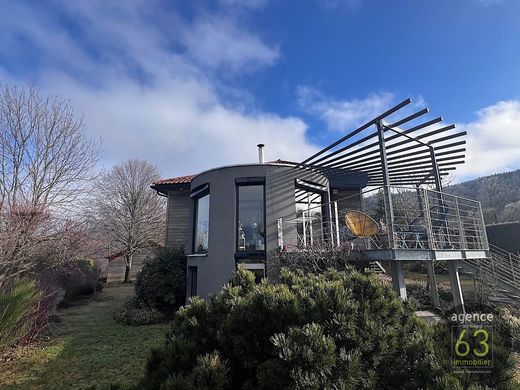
(498, 193)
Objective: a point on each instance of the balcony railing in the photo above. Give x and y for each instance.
(411, 219)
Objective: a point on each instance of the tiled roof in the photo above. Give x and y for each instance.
(187, 179)
(175, 180)
(279, 161)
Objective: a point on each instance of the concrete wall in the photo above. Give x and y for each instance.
(178, 218)
(215, 267)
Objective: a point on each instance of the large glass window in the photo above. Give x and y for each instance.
(251, 211)
(309, 212)
(201, 236)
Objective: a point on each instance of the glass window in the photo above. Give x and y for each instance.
(200, 242)
(251, 211)
(309, 207)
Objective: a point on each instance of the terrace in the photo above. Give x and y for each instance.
(401, 211)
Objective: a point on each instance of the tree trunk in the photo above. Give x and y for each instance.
(128, 261)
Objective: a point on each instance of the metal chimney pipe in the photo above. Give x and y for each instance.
(260, 153)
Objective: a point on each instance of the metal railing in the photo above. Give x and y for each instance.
(420, 219)
(501, 266)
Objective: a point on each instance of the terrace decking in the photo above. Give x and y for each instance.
(415, 221)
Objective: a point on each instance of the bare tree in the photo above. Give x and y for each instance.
(46, 162)
(128, 210)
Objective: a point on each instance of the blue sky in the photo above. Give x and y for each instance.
(191, 85)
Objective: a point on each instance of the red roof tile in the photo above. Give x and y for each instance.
(175, 180)
(279, 161)
(187, 179)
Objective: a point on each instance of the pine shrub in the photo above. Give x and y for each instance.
(337, 330)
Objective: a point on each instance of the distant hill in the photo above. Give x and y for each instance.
(498, 193)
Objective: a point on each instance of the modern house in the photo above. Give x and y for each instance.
(376, 191)
(228, 216)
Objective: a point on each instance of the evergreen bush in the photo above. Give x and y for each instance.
(135, 313)
(335, 330)
(161, 284)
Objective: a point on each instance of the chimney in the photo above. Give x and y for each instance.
(260, 153)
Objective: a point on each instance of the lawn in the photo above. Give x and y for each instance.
(85, 348)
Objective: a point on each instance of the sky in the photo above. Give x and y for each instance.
(190, 85)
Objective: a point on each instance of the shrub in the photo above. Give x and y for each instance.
(99, 286)
(136, 313)
(161, 284)
(18, 306)
(76, 277)
(421, 295)
(333, 330)
(509, 327)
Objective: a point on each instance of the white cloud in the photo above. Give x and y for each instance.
(493, 141)
(343, 115)
(217, 42)
(144, 78)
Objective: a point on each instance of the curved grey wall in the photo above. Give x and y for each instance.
(215, 268)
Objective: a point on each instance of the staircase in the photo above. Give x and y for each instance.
(502, 270)
(377, 267)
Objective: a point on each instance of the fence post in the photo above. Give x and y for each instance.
(427, 218)
(485, 243)
(336, 223)
(279, 223)
(304, 229)
(461, 227)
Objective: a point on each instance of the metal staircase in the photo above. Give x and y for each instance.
(377, 267)
(501, 270)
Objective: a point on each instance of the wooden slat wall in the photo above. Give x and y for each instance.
(178, 218)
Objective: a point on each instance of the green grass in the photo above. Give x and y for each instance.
(85, 348)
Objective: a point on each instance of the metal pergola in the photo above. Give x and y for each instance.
(381, 153)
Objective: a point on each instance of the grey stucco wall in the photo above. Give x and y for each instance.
(215, 268)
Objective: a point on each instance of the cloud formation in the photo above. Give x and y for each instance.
(493, 140)
(343, 115)
(145, 77)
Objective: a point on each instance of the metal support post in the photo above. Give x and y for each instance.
(279, 223)
(386, 185)
(456, 289)
(311, 238)
(432, 281)
(336, 223)
(398, 279)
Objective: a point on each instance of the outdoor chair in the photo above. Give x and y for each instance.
(361, 225)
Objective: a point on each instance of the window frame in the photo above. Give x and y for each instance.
(253, 267)
(193, 275)
(243, 182)
(197, 194)
(318, 189)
